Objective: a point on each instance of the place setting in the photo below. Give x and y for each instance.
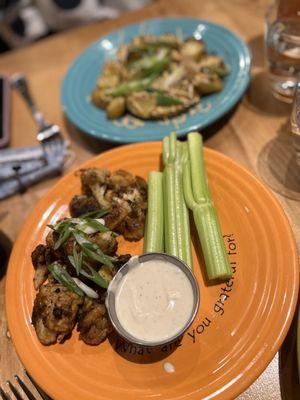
(167, 265)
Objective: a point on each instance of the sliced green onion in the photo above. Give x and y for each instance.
(96, 255)
(152, 46)
(51, 226)
(95, 277)
(150, 62)
(80, 239)
(92, 226)
(136, 85)
(165, 100)
(95, 214)
(92, 250)
(76, 259)
(62, 276)
(64, 235)
(86, 289)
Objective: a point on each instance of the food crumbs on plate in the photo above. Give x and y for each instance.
(169, 368)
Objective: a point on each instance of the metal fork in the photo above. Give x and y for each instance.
(48, 134)
(25, 389)
(18, 175)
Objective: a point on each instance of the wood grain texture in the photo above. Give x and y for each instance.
(252, 134)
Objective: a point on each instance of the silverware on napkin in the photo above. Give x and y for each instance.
(22, 167)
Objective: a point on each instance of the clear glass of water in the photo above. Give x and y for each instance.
(282, 38)
(279, 161)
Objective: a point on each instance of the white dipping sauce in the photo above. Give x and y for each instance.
(154, 300)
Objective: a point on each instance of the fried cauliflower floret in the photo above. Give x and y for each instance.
(40, 257)
(93, 324)
(117, 214)
(55, 312)
(94, 181)
(121, 179)
(121, 260)
(82, 204)
(106, 241)
(133, 228)
(124, 195)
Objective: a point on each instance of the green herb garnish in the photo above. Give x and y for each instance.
(96, 225)
(76, 259)
(95, 277)
(62, 276)
(64, 234)
(165, 100)
(95, 214)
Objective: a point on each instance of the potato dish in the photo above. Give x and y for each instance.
(156, 77)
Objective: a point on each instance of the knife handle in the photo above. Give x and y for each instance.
(8, 170)
(19, 184)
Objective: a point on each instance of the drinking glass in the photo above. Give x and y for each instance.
(279, 161)
(282, 39)
(295, 122)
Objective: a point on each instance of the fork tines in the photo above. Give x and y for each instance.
(43, 395)
(16, 393)
(4, 396)
(14, 390)
(25, 388)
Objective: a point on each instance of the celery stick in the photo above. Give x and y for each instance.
(154, 232)
(170, 228)
(179, 201)
(177, 228)
(165, 150)
(187, 186)
(208, 228)
(171, 246)
(182, 216)
(198, 198)
(187, 254)
(185, 219)
(172, 148)
(199, 179)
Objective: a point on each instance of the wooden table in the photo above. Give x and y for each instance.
(252, 134)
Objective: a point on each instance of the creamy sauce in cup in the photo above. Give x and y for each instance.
(154, 300)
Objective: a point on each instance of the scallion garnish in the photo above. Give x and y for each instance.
(62, 276)
(97, 255)
(95, 277)
(95, 214)
(165, 100)
(96, 225)
(64, 235)
(76, 259)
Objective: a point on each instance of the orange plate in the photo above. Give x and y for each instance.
(240, 324)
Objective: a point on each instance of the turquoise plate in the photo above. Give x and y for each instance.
(81, 79)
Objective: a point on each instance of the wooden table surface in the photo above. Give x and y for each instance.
(252, 134)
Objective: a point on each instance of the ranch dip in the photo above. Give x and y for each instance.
(154, 300)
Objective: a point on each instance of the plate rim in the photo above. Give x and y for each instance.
(254, 373)
(230, 104)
